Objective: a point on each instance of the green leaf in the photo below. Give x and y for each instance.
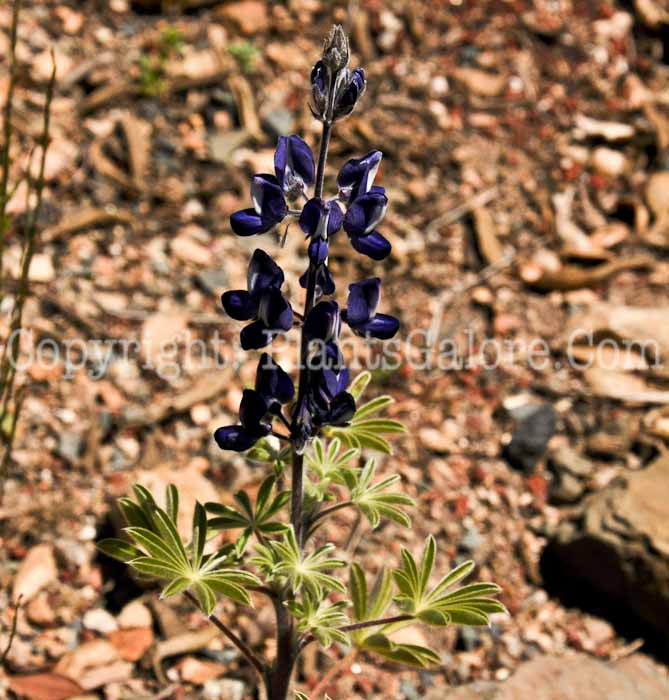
(172, 501)
(409, 654)
(372, 500)
(119, 549)
(359, 384)
(199, 537)
(158, 552)
(358, 588)
(468, 605)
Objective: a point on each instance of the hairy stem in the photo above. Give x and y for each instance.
(316, 521)
(244, 648)
(277, 679)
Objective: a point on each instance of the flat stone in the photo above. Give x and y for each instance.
(574, 677)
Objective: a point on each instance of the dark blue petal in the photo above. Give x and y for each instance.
(313, 219)
(318, 77)
(263, 274)
(252, 411)
(363, 298)
(272, 382)
(374, 245)
(381, 326)
(318, 251)
(255, 336)
(234, 437)
(357, 175)
(342, 409)
(275, 311)
(325, 283)
(268, 199)
(247, 222)
(239, 305)
(365, 213)
(294, 164)
(323, 322)
(351, 94)
(336, 218)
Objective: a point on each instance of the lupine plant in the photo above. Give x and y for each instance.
(319, 430)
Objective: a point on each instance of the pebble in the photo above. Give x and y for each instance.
(223, 689)
(37, 570)
(134, 614)
(608, 162)
(100, 621)
(41, 268)
(250, 16)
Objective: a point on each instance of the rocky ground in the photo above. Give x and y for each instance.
(525, 147)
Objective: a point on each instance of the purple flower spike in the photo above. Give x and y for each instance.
(294, 164)
(360, 313)
(269, 208)
(357, 175)
(263, 303)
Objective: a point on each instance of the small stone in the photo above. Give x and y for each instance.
(279, 121)
(608, 162)
(198, 671)
(250, 16)
(37, 570)
(536, 426)
(70, 445)
(132, 644)
(100, 621)
(480, 82)
(200, 414)
(189, 251)
(213, 281)
(40, 612)
(41, 268)
(134, 614)
(223, 689)
(566, 488)
(565, 458)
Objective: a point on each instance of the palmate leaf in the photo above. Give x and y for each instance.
(366, 429)
(304, 572)
(373, 605)
(259, 520)
(373, 500)
(320, 618)
(408, 654)
(327, 461)
(158, 552)
(470, 605)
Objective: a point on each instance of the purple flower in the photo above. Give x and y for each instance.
(323, 323)
(360, 313)
(294, 168)
(350, 94)
(269, 207)
(263, 302)
(294, 165)
(273, 388)
(356, 176)
(361, 218)
(367, 205)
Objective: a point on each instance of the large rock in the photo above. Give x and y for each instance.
(576, 677)
(614, 551)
